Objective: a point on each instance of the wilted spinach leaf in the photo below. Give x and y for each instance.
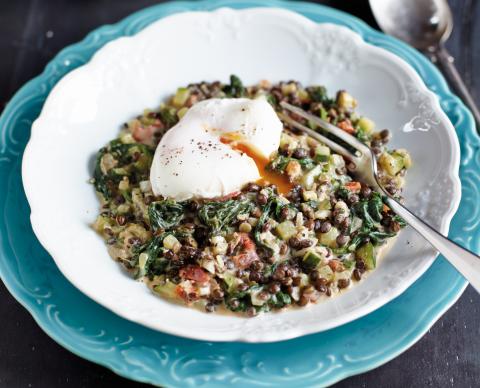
(218, 215)
(235, 88)
(165, 214)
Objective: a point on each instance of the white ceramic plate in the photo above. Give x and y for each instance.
(86, 108)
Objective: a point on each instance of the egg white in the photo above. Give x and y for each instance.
(191, 161)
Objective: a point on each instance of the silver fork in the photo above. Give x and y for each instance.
(365, 169)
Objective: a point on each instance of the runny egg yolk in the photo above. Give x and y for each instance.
(267, 176)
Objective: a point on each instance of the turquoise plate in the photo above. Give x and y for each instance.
(133, 351)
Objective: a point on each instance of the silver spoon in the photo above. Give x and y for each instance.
(426, 25)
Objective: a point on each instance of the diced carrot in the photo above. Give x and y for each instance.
(346, 125)
(335, 265)
(385, 208)
(353, 187)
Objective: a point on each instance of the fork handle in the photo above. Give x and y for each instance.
(466, 262)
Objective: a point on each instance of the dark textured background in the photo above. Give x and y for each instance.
(31, 33)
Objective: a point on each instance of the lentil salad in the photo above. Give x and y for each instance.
(258, 249)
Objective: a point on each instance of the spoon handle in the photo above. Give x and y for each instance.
(445, 61)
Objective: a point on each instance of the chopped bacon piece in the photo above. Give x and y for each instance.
(194, 272)
(247, 253)
(244, 260)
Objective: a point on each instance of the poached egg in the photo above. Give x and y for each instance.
(217, 147)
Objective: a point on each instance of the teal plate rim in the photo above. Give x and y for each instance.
(133, 351)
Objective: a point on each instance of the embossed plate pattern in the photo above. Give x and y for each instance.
(84, 110)
(144, 355)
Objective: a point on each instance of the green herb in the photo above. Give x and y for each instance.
(218, 215)
(311, 203)
(280, 163)
(156, 264)
(235, 88)
(271, 99)
(318, 94)
(375, 206)
(273, 207)
(153, 249)
(362, 135)
(348, 264)
(242, 306)
(342, 193)
(165, 214)
(107, 184)
(400, 220)
(280, 299)
(100, 180)
(168, 116)
(370, 212)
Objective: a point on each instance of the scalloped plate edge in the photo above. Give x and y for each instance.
(304, 8)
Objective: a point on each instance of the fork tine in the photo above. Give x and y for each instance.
(325, 140)
(347, 138)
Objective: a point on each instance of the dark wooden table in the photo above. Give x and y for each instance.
(31, 33)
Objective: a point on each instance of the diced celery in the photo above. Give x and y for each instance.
(181, 112)
(170, 242)
(124, 208)
(325, 205)
(208, 264)
(286, 230)
(289, 88)
(329, 239)
(366, 253)
(303, 95)
(231, 281)
(142, 261)
(323, 214)
(391, 163)
(143, 162)
(309, 195)
(309, 177)
(310, 260)
(325, 272)
(337, 160)
(407, 160)
(127, 138)
(167, 290)
(323, 114)
(101, 223)
(366, 125)
(180, 97)
(288, 142)
(121, 171)
(220, 245)
(322, 153)
(345, 100)
(124, 184)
